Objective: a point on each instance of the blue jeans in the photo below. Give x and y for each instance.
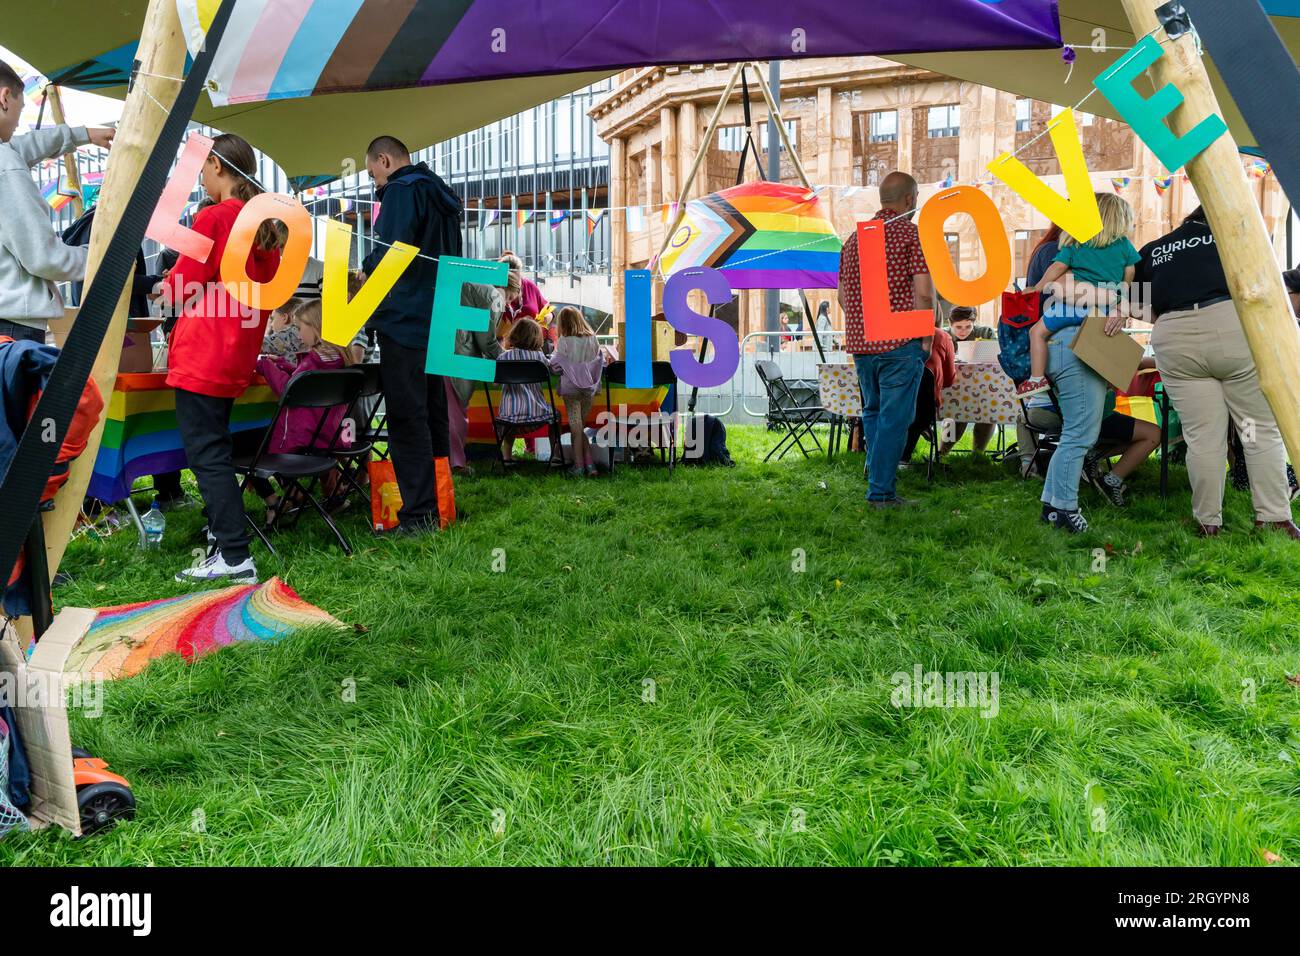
(888, 382)
(1082, 396)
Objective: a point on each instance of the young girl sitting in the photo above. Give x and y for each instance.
(281, 336)
(301, 430)
(578, 360)
(1104, 261)
(522, 404)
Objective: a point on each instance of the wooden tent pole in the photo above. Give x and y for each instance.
(1254, 278)
(775, 111)
(162, 53)
(69, 159)
(699, 159)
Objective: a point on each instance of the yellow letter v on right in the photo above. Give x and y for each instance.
(1078, 215)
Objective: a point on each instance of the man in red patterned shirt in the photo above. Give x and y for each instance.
(889, 371)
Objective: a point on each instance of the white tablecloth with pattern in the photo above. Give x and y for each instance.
(982, 393)
(838, 386)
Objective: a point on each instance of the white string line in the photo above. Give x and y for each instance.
(256, 182)
(159, 76)
(1132, 51)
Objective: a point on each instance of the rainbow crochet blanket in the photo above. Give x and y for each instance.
(124, 639)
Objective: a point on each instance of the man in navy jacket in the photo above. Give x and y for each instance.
(417, 208)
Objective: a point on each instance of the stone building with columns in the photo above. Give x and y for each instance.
(852, 120)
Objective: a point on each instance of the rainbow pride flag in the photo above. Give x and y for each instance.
(140, 433)
(761, 235)
(126, 638)
(33, 90)
(57, 198)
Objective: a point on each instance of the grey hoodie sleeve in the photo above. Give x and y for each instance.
(28, 235)
(479, 295)
(47, 143)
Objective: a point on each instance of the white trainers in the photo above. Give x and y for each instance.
(215, 568)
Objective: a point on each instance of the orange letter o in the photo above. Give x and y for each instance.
(993, 236)
(293, 260)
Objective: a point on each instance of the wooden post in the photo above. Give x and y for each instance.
(69, 159)
(780, 127)
(1254, 278)
(161, 52)
(699, 158)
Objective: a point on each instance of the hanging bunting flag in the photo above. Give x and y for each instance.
(761, 235)
(56, 197)
(522, 217)
(558, 216)
(668, 212)
(635, 219)
(593, 219)
(487, 217)
(1162, 185)
(1120, 182)
(33, 90)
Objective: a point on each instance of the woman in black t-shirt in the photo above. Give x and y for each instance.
(1208, 369)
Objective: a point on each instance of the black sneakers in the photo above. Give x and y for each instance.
(1110, 485)
(1071, 522)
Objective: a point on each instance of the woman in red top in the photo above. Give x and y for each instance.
(213, 352)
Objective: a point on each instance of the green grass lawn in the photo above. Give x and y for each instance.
(509, 717)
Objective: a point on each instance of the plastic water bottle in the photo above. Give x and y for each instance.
(155, 523)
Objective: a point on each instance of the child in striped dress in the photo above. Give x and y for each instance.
(523, 404)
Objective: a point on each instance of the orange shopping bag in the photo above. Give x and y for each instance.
(386, 499)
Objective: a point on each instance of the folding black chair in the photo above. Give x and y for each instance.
(298, 473)
(1043, 440)
(784, 410)
(662, 436)
(931, 434)
(525, 372)
(352, 460)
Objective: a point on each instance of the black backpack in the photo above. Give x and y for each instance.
(706, 442)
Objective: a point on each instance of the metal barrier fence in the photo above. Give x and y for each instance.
(795, 354)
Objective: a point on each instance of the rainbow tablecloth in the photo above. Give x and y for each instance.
(624, 401)
(140, 434)
(1142, 401)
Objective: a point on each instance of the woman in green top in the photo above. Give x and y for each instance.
(1105, 262)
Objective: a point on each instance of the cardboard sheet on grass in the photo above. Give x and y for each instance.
(40, 691)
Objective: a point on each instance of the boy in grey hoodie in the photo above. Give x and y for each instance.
(32, 258)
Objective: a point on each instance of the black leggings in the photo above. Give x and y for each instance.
(204, 424)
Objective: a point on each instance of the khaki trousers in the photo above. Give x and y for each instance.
(1207, 367)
